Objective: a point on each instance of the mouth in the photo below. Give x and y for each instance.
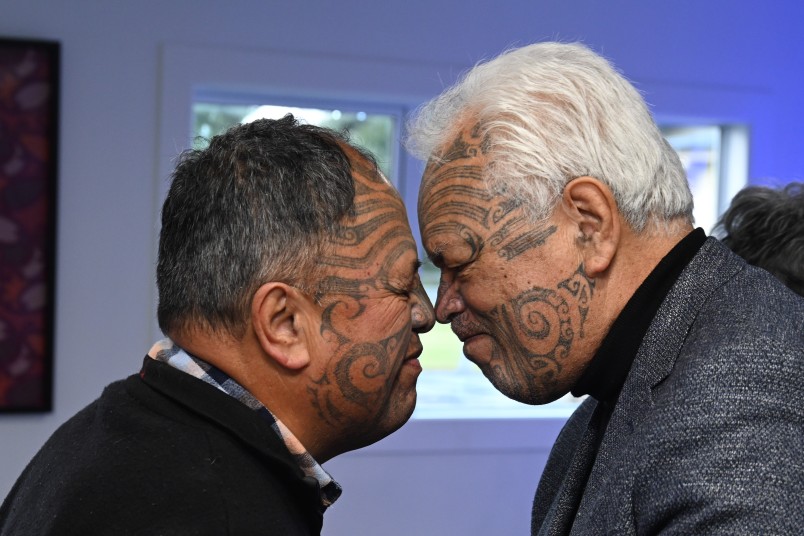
(469, 339)
(411, 362)
(466, 336)
(475, 347)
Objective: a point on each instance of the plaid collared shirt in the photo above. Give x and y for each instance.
(167, 352)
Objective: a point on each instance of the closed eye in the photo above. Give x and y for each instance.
(409, 285)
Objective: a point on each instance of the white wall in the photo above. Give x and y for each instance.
(707, 59)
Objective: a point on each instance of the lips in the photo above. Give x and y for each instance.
(469, 337)
(465, 336)
(411, 361)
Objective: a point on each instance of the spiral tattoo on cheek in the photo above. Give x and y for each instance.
(362, 377)
(543, 317)
(534, 338)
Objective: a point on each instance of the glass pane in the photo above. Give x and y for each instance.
(698, 147)
(374, 132)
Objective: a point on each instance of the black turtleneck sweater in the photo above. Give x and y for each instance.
(605, 375)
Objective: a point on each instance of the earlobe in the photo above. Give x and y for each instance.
(276, 318)
(591, 206)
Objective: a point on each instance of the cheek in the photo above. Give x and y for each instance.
(394, 325)
(358, 384)
(394, 310)
(362, 373)
(344, 313)
(387, 322)
(489, 287)
(542, 319)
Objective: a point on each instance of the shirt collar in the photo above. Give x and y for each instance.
(605, 375)
(168, 352)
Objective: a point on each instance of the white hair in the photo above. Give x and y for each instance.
(551, 112)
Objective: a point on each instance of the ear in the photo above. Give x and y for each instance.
(591, 206)
(278, 318)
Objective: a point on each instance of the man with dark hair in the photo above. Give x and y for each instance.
(561, 221)
(765, 226)
(289, 290)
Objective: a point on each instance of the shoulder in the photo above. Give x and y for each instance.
(747, 338)
(725, 319)
(729, 282)
(725, 425)
(741, 351)
(137, 461)
(108, 466)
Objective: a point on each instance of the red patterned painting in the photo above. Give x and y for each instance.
(29, 98)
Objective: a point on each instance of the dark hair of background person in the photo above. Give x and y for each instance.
(256, 205)
(765, 226)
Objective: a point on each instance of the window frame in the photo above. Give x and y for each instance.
(733, 153)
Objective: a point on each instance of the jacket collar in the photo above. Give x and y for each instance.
(711, 267)
(229, 414)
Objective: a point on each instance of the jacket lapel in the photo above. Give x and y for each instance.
(556, 516)
(610, 478)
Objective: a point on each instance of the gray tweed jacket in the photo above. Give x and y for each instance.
(707, 436)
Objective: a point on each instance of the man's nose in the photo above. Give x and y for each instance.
(422, 311)
(448, 303)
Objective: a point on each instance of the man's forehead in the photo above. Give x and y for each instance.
(363, 167)
(462, 158)
(387, 253)
(456, 189)
(378, 227)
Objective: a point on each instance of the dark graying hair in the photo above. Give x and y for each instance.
(255, 206)
(765, 226)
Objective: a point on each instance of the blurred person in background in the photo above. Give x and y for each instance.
(765, 226)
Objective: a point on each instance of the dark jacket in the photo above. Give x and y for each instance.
(707, 436)
(163, 453)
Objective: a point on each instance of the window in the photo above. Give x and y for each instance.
(715, 159)
(376, 131)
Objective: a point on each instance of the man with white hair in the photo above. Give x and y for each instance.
(562, 224)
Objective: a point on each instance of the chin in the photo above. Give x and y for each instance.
(392, 420)
(398, 414)
(526, 394)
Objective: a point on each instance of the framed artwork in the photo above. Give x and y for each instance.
(29, 110)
